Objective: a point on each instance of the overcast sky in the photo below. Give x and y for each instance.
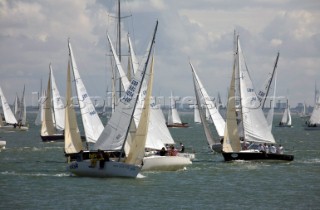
(35, 32)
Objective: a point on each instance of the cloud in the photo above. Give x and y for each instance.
(34, 33)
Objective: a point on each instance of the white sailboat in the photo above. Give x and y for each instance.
(314, 122)
(214, 114)
(286, 120)
(158, 134)
(255, 125)
(10, 122)
(92, 124)
(174, 119)
(117, 139)
(304, 113)
(52, 125)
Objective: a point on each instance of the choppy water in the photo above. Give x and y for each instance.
(33, 176)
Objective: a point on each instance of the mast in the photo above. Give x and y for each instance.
(270, 81)
(143, 76)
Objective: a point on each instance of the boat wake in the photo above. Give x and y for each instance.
(13, 173)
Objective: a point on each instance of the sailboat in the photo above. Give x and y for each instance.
(174, 119)
(286, 120)
(120, 145)
(304, 113)
(10, 122)
(256, 130)
(314, 122)
(52, 125)
(158, 134)
(209, 107)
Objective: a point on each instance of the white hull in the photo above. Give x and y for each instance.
(110, 169)
(3, 144)
(165, 163)
(10, 128)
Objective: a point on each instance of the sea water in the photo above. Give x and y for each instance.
(33, 176)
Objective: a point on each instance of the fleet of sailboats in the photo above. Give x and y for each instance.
(10, 122)
(136, 137)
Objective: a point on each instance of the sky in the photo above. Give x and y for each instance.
(34, 33)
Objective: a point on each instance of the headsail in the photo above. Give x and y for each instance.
(215, 116)
(72, 139)
(47, 127)
(91, 121)
(231, 141)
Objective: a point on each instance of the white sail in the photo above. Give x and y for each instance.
(196, 114)
(91, 122)
(289, 122)
(264, 90)
(315, 116)
(284, 118)
(72, 138)
(134, 60)
(16, 107)
(47, 127)
(215, 116)
(40, 114)
(123, 76)
(58, 106)
(8, 114)
(254, 121)
(116, 131)
(202, 111)
(173, 115)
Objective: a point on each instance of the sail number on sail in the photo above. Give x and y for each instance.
(130, 92)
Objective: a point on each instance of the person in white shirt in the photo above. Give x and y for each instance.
(280, 149)
(273, 149)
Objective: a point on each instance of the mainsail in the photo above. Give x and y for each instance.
(254, 121)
